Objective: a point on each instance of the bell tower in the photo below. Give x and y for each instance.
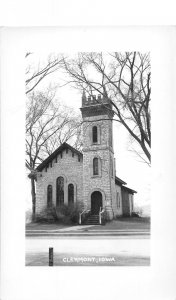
(98, 154)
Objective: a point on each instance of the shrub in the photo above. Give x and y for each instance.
(137, 213)
(48, 215)
(68, 213)
(76, 209)
(62, 213)
(28, 216)
(65, 214)
(85, 216)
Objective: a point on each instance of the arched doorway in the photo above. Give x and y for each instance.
(96, 202)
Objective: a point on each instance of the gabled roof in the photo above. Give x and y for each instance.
(128, 190)
(55, 153)
(67, 146)
(119, 181)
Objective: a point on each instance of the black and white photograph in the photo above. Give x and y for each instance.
(88, 139)
(87, 162)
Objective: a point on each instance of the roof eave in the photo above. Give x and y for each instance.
(56, 152)
(129, 190)
(119, 180)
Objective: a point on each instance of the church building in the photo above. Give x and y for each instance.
(69, 176)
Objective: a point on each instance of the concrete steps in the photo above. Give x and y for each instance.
(92, 220)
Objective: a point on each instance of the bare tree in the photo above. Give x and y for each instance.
(124, 79)
(48, 124)
(35, 75)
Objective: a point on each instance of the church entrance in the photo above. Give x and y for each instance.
(96, 202)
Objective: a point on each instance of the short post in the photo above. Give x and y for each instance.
(79, 218)
(50, 256)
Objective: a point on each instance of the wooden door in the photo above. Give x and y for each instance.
(96, 202)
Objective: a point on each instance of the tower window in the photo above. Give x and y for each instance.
(95, 166)
(94, 134)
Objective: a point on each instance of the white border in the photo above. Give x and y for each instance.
(155, 282)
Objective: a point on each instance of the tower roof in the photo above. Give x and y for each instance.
(96, 105)
(94, 99)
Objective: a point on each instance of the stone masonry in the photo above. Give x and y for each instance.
(77, 168)
(67, 166)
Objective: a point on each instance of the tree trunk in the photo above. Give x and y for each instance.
(33, 198)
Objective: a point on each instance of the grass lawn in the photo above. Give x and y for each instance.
(46, 226)
(125, 224)
(119, 224)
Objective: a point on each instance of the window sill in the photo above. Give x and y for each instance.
(95, 176)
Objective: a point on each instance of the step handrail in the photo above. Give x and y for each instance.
(81, 213)
(100, 215)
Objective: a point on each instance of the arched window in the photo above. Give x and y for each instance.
(59, 191)
(70, 193)
(95, 166)
(49, 195)
(94, 134)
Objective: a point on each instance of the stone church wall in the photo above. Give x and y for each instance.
(78, 170)
(104, 152)
(104, 132)
(126, 203)
(96, 182)
(70, 168)
(118, 193)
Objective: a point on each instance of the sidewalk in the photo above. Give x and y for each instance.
(86, 230)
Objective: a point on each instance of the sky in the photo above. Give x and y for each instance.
(129, 167)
